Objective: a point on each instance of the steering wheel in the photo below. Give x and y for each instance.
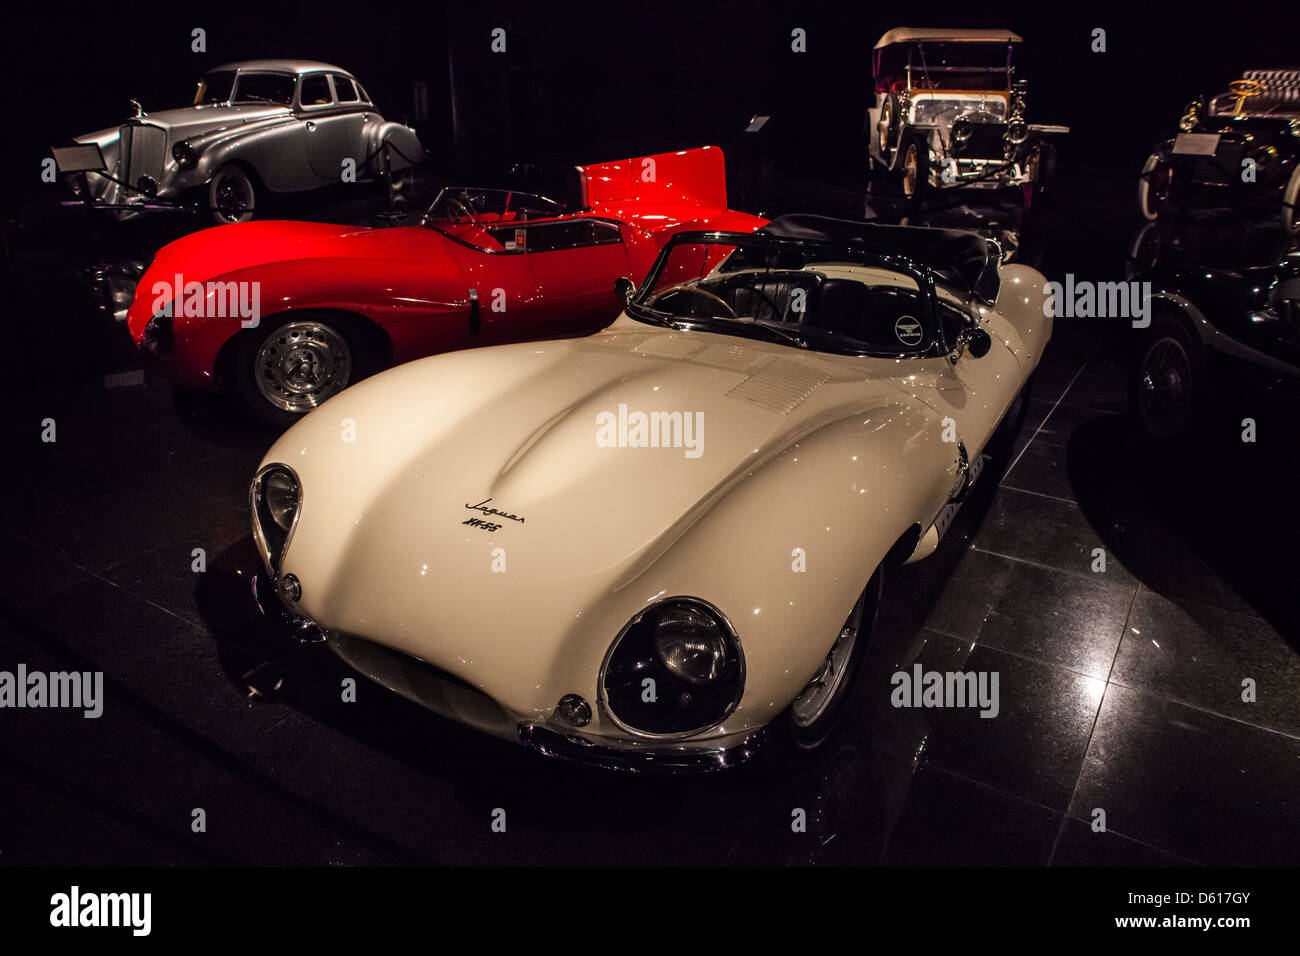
(695, 290)
(1242, 89)
(454, 203)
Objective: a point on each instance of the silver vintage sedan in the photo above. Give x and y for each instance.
(255, 126)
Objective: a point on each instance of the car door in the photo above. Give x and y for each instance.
(332, 130)
(573, 264)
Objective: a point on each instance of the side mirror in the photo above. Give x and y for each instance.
(623, 288)
(978, 342)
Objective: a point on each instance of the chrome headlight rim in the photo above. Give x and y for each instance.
(184, 154)
(255, 500)
(602, 697)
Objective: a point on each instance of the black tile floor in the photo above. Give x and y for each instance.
(1121, 690)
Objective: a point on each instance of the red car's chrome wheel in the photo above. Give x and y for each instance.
(302, 364)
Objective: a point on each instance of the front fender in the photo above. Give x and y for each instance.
(833, 501)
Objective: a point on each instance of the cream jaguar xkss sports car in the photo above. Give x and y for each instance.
(661, 544)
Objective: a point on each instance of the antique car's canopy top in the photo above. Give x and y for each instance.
(913, 34)
(280, 66)
(964, 258)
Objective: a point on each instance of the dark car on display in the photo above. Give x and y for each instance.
(950, 111)
(1239, 147)
(254, 127)
(1225, 311)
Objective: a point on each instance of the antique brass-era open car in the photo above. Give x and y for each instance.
(949, 111)
(1240, 146)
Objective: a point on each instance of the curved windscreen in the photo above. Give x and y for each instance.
(805, 295)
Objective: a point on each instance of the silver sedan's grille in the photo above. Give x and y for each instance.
(143, 152)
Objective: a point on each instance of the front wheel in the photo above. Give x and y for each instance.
(297, 363)
(1153, 187)
(811, 717)
(1166, 383)
(1291, 203)
(916, 169)
(232, 195)
(1040, 170)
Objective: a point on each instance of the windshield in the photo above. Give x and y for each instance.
(805, 295)
(264, 88)
(215, 88)
(949, 66)
(487, 218)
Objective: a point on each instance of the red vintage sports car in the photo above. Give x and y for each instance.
(287, 314)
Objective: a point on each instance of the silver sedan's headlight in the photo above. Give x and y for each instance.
(276, 498)
(676, 669)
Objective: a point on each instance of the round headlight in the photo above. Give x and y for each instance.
(1017, 132)
(962, 129)
(276, 497)
(281, 491)
(676, 669)
(184, 154)
(690, 644)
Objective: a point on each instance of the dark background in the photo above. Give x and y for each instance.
(583, 82)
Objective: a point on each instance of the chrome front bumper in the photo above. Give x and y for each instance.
(664, 759)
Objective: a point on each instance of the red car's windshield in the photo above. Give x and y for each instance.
(483, 217)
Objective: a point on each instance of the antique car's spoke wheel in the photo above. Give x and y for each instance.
(232, 196)
(1291, 203)
(1166, 388)
(301, 364)
(1154, 186)
(911, 170)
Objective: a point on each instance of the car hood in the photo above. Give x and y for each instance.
(188, 121)
(400, 474)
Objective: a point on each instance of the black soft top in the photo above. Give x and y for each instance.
(961, 258)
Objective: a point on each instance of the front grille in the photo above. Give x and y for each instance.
(985, 142)
(1221, 169)
(143, 153)
(429, 686)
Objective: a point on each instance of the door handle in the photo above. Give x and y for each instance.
(311, 125)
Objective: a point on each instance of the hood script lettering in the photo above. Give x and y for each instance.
(494, 511)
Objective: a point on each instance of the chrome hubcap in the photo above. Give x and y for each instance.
(1167, 387)
(819, 693)
(302, 364)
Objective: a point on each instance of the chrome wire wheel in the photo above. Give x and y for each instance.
(810, 705)
(301, 364)
(1166, 388)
